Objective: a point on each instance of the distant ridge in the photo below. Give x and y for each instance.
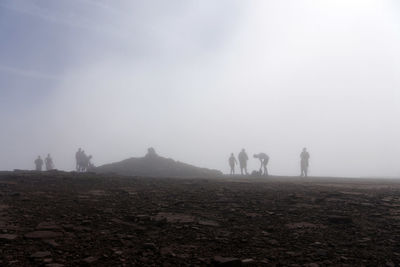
(153, 165)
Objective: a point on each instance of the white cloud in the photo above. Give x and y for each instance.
(210, 78)
(27, 73)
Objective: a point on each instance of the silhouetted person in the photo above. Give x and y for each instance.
(83, 161)
(39, 163)
(243, 158)
(232, 163)
(90, 165)
(86, 163)
(304, 161)
(78, 158)
(49, 163)
(264, 159)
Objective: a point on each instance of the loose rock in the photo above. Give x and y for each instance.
(8, 236)
(43, 235)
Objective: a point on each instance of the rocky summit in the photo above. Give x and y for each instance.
(84, 219)
(153, 165)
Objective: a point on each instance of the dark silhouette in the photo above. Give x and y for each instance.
(151, 153)
(49, 163)
(264, 159)
(256, 173)
(78, 157)
(154, 165)
(243, 158)
(83, 162)
(39, 163)
(304, 156)
(87, 165)
(232, 163)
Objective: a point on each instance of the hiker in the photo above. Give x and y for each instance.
(83, 162)
(232, 163)
(243, 158)
(90, 165)
(264, 159)
(78, 157)
(39, 163)
(49, 163)
(304, 156)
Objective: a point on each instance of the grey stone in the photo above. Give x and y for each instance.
(41, 254)
(8, 237)
(90, 259)
(231, 262)
(43, 234)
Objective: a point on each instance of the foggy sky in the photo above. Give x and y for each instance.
(198, 80)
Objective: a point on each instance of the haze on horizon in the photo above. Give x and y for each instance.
(198, 80)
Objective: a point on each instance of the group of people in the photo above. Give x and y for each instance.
(48, 162)
(243, 158)
(264, 159)
(83, 162)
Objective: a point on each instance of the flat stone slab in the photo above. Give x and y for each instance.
(90, 259)
(4, 207)
(48, 226)
(43, 235)
(174, 217)
(227, 261)
(340, 219)
(8, 236)
(208, 223)
(301, 225)
(41, 254)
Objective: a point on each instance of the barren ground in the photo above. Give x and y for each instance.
(66, 219)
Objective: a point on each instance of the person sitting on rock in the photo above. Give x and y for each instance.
(243, 158)
(264, 159)
(49, 163)
(232, 163)
(39, 163)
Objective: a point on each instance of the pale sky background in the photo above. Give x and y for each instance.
(198, 80)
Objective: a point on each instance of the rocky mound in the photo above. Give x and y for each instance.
(156, 166)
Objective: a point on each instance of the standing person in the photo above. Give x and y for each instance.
(304, 161)
(49, 163)
(243, 158)
(232, 163)
(78, 158)
(264, 159)
(39, 163)
(84, 161)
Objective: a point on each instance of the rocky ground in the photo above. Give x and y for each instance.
(66, 219)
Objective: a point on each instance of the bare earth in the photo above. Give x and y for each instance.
(65, 219)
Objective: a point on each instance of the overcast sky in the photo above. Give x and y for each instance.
(198, 80)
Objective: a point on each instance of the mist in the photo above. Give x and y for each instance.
(200, 80)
